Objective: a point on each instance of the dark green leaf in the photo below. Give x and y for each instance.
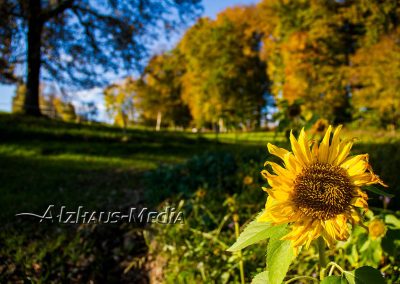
(364, 275)
(391, 242)
(378, 191)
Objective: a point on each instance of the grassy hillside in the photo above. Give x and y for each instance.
(46, 162)
(51, 162)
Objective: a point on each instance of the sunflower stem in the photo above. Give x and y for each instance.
(241, 263)
(322, 256)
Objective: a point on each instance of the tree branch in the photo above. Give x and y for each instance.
(86, 26)
(50, 13)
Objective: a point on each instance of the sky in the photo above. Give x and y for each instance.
(211, 9)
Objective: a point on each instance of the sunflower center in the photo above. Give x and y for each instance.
(322, 191)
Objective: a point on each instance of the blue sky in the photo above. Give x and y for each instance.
(211, 9)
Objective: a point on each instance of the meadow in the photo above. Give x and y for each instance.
(209, 177)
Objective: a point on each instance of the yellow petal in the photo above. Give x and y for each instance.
(279, 152)
(360, 199)
(298, 228)
(359, 202)
(334, 149)
(358, 168)
(304, 146)
(355, 216)
(350, 161)
(301, 239)
(279, 195)
(292, 164)
(328, 239)
(279, 212)
(344, 151)
(324, 146)
(280, 170)
(303, 232)
(298, 153)
(264, 217)
(362, 179)
(340, 223)
(277, 181)
(330, 228)
(314, 233)
(375, 178)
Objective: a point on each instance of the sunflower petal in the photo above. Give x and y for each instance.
(280, 170)
(359, 202)
(355, 216)
(324, 146)
(280, 195)
(298, 153)
(350, 161)
(279, 212)
(334, 149)
(358, 168)
(304, 146)
(363, 179)
(281, 182)
(276, 151)
(292, 164)
(344, 151)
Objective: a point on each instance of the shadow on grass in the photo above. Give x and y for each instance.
(45, 162)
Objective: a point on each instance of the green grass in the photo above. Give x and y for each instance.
(50, 162)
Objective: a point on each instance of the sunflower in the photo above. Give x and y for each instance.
(320, 126)
(377, 229)
(248, 180)
(317, 190)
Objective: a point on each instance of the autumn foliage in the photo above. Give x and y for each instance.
(339, 58)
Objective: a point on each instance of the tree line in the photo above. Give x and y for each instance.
(333, 59)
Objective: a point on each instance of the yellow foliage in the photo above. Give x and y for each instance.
(375, 73)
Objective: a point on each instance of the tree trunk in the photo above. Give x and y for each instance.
(35, 27)
(158, 125)
(221, 125)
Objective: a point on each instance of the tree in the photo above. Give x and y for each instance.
(119, 102)
(51, 104)
(225, 80)
(159, 91)
(375, 71)
(307, 45)
(376, 79)
(75, 42)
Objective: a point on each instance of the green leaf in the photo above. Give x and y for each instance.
(392, 220)
(349, 276)
(260, 278)
(391, 242)
(378, 191)
(254, 233)
(279, 258)
(334, 280)
(364, 275)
